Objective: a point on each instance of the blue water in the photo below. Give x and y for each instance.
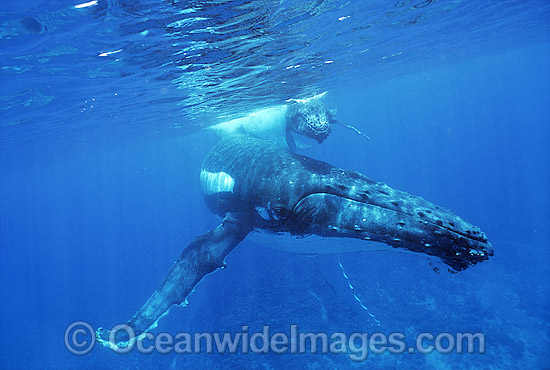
(100, 155)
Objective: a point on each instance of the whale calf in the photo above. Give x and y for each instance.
(308, 118)
(258, 187)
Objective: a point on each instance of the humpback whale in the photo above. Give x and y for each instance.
(258, 187)
(306, 117)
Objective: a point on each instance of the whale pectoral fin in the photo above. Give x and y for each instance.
(203, 255)
(290, 141)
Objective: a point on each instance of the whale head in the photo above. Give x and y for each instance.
(310, 118)
(364, 209)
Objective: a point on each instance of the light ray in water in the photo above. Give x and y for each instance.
(355, 292)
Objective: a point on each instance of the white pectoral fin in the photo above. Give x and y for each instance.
(290, 142)
(301, 145)
(216, 182)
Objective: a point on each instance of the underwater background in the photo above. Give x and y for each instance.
(102, 106)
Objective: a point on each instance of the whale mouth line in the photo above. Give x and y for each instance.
(478, 239)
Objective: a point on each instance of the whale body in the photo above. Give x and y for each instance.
(258, 187)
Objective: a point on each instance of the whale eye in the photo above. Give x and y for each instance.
(281, 213)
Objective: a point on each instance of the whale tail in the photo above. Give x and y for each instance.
(203, 255)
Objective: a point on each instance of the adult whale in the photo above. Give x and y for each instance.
(259, 187)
